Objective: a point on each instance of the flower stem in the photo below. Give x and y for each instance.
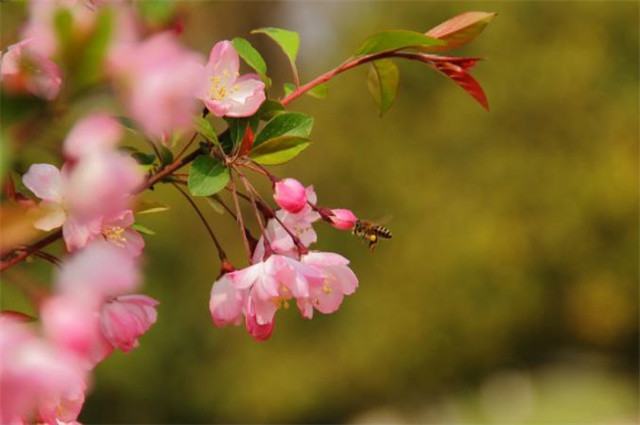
(236, 203)
(221, 254)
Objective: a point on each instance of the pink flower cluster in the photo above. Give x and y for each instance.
(44, 375)
(281, 272)
(90, 197)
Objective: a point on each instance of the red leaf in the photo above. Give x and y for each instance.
(462, 78)
(459, 30)
(247, 141)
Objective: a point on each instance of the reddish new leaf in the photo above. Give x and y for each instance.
(247, 141)
(458, 31)
(463, 79)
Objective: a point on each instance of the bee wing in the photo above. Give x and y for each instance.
(384, 219)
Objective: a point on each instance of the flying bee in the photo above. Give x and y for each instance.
(370, 232)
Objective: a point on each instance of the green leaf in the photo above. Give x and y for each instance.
(288, 41)
(459, 30)
(156, 12)
(208, 176)
(127, 123)
(285, 124)
(319, 92)
(150, 207)
(166, 156)
(238, 126)
(215, 205)
(269, 108)
(387, 41)
(204, 127)
(90, 69)
(144, 230)
(250, 55)
(279, 150)
(143, 158)
(288, 88)
(382, 82)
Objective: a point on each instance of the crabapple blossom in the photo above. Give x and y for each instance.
(226, 302)
(290, 195)
(94, 133)
(300, 224)
(158, 79)
(339, 280)
(99, 271)
(126, 317)
(343, 219)
(26, 70)
(40, 381)
(226, 93)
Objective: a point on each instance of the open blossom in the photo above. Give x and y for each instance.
(26, 70)
(290, 195)
(90, 196)
(343, 219)
(224, 91)
(40, 381)
(126, 317)
(158, 79)
(339, 280)
(226, 302)
(89, 315)
(41, 25)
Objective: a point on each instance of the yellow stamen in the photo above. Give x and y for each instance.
(115, 235)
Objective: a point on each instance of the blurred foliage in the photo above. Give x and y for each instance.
(515, 232)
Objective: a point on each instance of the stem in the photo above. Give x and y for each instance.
(245, 182)
(221, 253)
(236, 204)
(252, 241)
(298, 243)
(348, 64)
(23, 254)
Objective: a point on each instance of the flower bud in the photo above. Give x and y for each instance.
(343, 219)
(291, 195)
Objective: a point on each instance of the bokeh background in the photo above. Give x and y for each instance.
(509, 293)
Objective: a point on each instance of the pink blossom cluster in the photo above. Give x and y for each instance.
(45, 372)
(283, 269)
(92, 308)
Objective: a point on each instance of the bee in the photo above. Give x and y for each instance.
(370, 232)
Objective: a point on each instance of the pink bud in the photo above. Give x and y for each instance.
(291, 195)
(343, 219)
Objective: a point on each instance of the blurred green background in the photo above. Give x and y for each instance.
(509, 293)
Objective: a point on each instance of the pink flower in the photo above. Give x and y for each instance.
(158, 79)
(26, 70)
(95, 132)
(115, 229)
(225, 92)
(300, 224)
(97, 272)
(343, 219)
(40, 382)
(88, 198)
(272, 283)
(257, 331)
(290, 195)
(71, 322)
(327, 294)
(124, 318)
(226, 302)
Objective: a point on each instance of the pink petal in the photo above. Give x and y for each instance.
(94, 132)
(226, 303)
(45, 181)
